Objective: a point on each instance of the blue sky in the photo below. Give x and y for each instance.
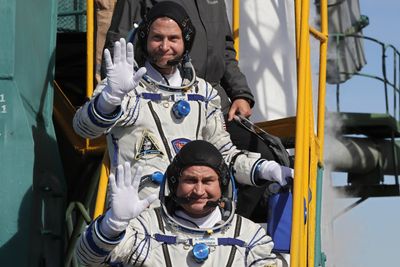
(369, 234)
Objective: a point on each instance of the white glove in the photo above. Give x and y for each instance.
(125, 202)
(272, 171)
(121, 77)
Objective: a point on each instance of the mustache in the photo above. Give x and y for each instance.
(173, 62)
(187, 200)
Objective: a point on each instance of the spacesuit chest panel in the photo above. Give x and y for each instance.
(153, 134)
(181, 245)
(158, 133)
(172, 131)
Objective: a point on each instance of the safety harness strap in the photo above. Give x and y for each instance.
(159, 97)
(222, 241)
(273, 142)
(166, 239)
(229, 241)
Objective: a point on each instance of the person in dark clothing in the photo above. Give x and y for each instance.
(214, 59)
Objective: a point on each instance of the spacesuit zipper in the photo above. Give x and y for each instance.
(198, 122)
(237, 233)
(160, 131)
(167, 257)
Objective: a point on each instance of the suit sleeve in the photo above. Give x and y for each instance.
(259, 247)
(89, 122)
(130, 247)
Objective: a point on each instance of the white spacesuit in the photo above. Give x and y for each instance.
(153, 115)
(131, 235)
(145, 130)
(143, 243)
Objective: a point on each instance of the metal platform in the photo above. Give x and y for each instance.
(374, 150)
(376, 125)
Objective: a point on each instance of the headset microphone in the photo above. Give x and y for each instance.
(187, 200)
(212, 204)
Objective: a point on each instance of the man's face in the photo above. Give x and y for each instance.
(199, 184)
(164, 43)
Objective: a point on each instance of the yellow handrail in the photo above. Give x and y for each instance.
(90, 48)
(309, 145)
(103, 181)
(102, 187)
(301, 148)
(235, 25)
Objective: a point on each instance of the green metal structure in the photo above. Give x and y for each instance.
(32, 190)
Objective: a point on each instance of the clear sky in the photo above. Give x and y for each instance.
(369, 234)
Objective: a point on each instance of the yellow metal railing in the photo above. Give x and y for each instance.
(64, 112)
(100, 203)
(235, 25)
(309, 145)
(90, 48)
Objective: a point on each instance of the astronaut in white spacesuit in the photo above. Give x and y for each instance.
(149, 113)
(196, 224)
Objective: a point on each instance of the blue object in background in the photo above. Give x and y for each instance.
(280, 220)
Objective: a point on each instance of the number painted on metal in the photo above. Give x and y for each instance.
(3, 108)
